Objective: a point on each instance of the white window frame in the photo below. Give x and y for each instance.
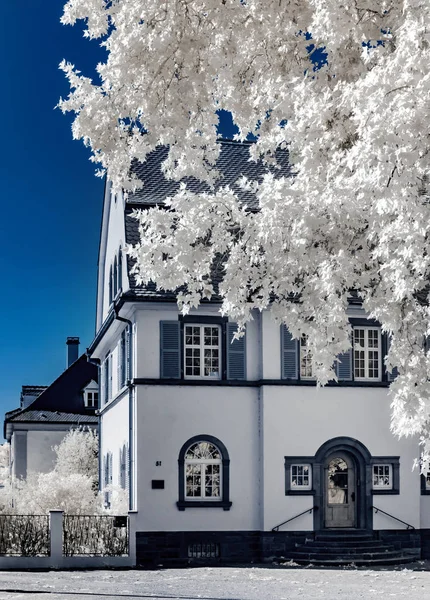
(388, 486)
(87, 395)
(204, 463)
(298, 466)
(305, 354)
(366, 350)
(202, 348)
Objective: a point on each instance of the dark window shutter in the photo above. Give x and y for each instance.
(344, 366)
(119, 365)
(170, 350)
(391, 375)
(236, 354)
(120, 269)
(289, 354)
(127, 467)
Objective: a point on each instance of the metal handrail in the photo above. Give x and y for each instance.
(309, 510)
(393, 517)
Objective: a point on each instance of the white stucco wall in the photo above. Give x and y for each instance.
(297, 420)
(168, 416)
(147, 338)
(114, 432)
(40, 454)
(114, 239)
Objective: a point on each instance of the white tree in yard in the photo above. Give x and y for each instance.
(71, 485)
(356, 214)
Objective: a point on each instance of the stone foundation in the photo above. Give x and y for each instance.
(183, 548)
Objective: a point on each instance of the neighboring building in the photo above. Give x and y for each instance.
(46, 414)
(218, 442)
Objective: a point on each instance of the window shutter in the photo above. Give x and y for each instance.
(106, 470)
(170, 350)
(119, 364)
(127, 468)
(391, 375)
(289, 354)
(127, 357)
(110, 469)
(236, 354)
(120, 269)
(344, 366)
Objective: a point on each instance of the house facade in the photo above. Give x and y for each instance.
(228, 449)
(47, 413)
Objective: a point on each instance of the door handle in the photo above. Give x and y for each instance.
(353, 496)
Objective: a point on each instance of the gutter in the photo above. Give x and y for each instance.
(131, 387)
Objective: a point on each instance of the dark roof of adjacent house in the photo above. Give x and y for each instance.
(62, 401)
(233, 164)
(48, 416)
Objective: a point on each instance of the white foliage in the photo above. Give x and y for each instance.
(71, 486)
(357, 213)
(78, 454)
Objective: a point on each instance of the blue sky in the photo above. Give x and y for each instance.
(51, 200)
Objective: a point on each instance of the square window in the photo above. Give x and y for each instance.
(382, 478)
(301, 477)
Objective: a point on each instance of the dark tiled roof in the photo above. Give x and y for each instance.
(33, 390)
(233, 163)
(47, 416)
(63, 400)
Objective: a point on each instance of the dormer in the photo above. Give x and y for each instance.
(91, 395)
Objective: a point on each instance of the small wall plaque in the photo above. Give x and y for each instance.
(158, 484)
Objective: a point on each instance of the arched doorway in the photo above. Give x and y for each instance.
(342, 485)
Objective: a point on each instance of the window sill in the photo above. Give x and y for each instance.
(300, 492)
(425, 492)
(183, 504)
(382, 492)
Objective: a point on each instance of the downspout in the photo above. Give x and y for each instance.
(96, 362)
(130, 385)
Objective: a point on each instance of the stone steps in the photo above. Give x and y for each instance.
(344, 547)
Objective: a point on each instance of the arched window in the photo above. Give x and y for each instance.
(120, 269)
(115, 277)
(110, 286)
(204, 467)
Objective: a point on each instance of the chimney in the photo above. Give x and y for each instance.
(72, 350)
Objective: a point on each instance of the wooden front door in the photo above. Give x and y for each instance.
(340, 491)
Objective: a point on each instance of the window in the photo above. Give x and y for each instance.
(305, 359)
(202, 351)
(115, 277)
(367, 353)
(120, 269)
(92, 399)
(122, 361)
(204, 471)
(123, 467)
(382, 477)
(428, 480)
(110, 286)
(298, 475)
(107, 480)
(301, 477)
(107, 378)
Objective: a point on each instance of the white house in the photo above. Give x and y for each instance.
(229, 450)
(46, 414)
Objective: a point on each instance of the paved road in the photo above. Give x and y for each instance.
(247, 583)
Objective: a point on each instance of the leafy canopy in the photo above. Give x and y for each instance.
(356, 214)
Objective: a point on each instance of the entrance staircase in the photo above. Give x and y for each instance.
(348, 546)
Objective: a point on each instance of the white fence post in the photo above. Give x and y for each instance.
(132, 518)
(56, 531)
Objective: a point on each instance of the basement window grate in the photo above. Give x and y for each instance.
(203, 550)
